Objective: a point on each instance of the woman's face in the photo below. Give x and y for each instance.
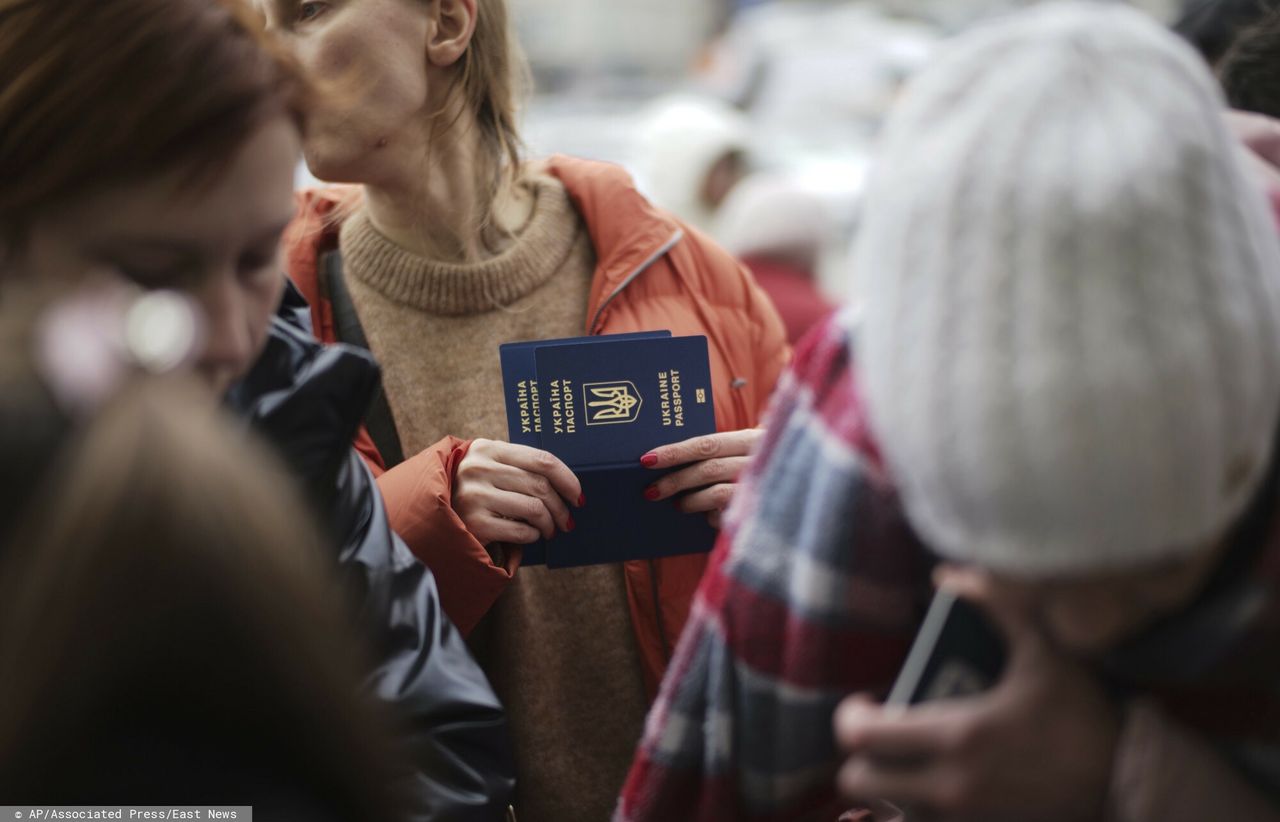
(219, 243)
(368, 60)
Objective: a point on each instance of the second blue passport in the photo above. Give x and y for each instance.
(599, 404)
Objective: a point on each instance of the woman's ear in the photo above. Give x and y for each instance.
(453, 22)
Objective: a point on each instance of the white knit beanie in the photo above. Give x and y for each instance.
(1071, 341)
(679, 138)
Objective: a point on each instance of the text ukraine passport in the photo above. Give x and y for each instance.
(600, 403)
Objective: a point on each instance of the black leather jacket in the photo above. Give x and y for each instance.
(309, 399)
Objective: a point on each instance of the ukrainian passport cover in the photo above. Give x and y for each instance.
(599, 404)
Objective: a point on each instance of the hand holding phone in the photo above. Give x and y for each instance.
(979, 717)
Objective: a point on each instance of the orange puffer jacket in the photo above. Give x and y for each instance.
(652, 272)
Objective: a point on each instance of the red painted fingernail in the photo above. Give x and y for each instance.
(649, 460)
(582, 500)
(652, 493)
(570, 525)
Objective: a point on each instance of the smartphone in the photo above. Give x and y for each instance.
(957, 652)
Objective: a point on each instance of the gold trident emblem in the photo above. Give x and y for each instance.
(611, 402)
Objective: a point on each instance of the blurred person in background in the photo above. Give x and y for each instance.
(690, 151)
(780, 230)
(170, 629)
(1213, 26)
(158, 139)
(453, 244)
(1065, 382)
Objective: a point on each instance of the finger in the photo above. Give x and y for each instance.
(862, 699)
(697, 449)
(521, 507)
(896, 734)
(510, 478)
(545, 464)
(850, 713)
(715, 498)
(698, 475)
(491, 528)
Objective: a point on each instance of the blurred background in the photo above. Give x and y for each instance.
(754, 120)
(696, 97)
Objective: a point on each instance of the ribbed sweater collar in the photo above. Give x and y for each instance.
(455, 289)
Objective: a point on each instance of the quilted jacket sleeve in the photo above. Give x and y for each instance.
(450, 718)
(418, 495)
(307, 400)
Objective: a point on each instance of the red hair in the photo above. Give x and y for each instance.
(96, 92)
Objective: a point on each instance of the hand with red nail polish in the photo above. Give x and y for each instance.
(513, 493)
(712, 463)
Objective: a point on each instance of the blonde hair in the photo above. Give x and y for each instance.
(493, 81)
(495, 76)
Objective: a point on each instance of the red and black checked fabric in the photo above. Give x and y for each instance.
(814, 591)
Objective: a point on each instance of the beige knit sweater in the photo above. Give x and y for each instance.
(558, 645)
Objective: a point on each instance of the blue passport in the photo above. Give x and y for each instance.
(521, 391)
(520, 381)
(600, 403)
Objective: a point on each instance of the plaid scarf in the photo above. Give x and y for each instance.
(816, 590)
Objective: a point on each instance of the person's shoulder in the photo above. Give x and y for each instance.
(627, 228)
(616, 213)
(584, 176)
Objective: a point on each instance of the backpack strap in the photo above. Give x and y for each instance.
(378, 420)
